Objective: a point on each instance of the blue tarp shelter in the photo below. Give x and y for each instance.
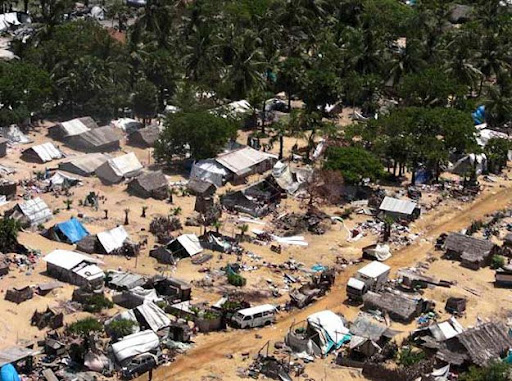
(9, 373)
(72, 229)
(479, 115)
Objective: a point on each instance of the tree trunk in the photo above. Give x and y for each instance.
(395, 163)
(25, 6)
(263, 119)
(413, 177)
(289, 102)
(281, 144)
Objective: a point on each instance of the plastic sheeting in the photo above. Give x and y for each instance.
(9, 373)
(72, 229)
(112, 239)
(332, 332)
(135, 344)
(154, 316)
(209, 170)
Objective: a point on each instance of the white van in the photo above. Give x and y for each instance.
(255, 316)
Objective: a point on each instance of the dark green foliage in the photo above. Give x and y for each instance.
(497, 153)
(497, 262)
(97, 303)
(145, 100)
(120, 328)
(9, 229)
(236, 280)
(408, 356)
(205, 133)
(355, 164)
(85, 326)
(496, 371)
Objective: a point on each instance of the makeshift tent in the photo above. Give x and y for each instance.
(72, 127)
(210, 171)
(14, 134)
(42, 153)
(31, 212)
(125, 281)
(394, 207)
(150, 184)
(245, 161)
(10, 19)
(145, 137)
(186, 245)
(152, 316)
(119, 168)
(70, 231)
(465, 165)
(60, 179)
(75, 268)
(135, 344)
(290, 179)
(239, 202)
(127, 125)
(84, 165)
(200, 187)
(479, 115)
(113, 239)
(101, 139)
(330, 329)
(9, 373)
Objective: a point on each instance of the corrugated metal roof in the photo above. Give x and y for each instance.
(390, 204)
(112, 239)
(36, 210)
(100, 136)
(241, 160)
(67, 259)
(13, 354)
(374, 269)
(47, 152)
(126, 280)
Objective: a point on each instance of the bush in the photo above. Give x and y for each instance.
(407, 356)
(85, 326)
(497, 262)
(120, 328)
(97, 303)
(236, 280)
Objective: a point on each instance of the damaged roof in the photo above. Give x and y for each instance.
(241, 160)
(394, 205)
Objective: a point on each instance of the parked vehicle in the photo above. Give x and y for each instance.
(255, 316)
(371, 277)
(139, 365)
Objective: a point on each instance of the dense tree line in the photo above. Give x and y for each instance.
(364, 53)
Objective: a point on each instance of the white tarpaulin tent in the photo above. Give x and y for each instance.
(154, 316)
(135, 344)
(45, 152)
(14, 134)
(119, 168)
(32, 212)
(112, 239)
(128, 125)
(84, 165)
(243, 160)
(189, 243)
(59, 178)
(210, 171)
(75, 126)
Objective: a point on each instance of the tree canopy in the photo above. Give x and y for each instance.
(200, 134)
(354, 163)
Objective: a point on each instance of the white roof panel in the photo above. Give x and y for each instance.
(47, 152)
(135, 344)
(113, 239)
(257, 309)
(126, 165)
(74, 127)
(356, 284)
(36, 210)
(241, 160)
(89, 272)
(390, 204)
(374, 269)
(67, 259)
(190, 243)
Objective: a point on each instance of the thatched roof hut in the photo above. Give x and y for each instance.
(398, 306)
(472, 252)
(145, 137)
(150, 184)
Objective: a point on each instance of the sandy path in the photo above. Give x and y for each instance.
(208, 357)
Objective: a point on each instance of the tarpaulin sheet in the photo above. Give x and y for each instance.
(8, 373)
(72, 229)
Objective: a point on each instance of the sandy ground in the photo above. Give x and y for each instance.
(207, 360)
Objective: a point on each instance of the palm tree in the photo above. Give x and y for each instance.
(217, 225)
(243, 229)
(68, 202)
(126, 212)
(144, 208)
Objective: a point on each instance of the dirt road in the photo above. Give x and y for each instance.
(209, 355)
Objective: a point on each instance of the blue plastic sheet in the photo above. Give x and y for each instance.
(479, 115)
(72, 229)
(9, 373)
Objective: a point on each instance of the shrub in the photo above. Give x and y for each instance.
(85, 326)
(497, 262)
(120, 328)
(98, 302)
(236, 280)
(407, 356)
